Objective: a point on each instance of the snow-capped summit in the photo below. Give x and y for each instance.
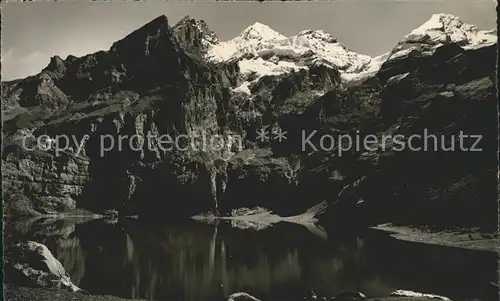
(446, 28)
(259, 40)
(261, 32)
(443, 29)
(261, 51)
(249, 41)
(317, 35)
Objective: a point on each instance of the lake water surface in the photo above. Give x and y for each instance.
(193, 261)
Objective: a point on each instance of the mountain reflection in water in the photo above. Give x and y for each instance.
(199, 262)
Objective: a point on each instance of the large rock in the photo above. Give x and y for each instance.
(32, 264)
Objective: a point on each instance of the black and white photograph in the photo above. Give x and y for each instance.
(250, 150)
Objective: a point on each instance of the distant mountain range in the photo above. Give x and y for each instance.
(262, 51)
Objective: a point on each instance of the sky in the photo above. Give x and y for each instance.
(32, 32)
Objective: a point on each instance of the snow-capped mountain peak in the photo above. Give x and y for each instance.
(259, 40)
(260, 31)
(439, 22)
(317, 35)
(261, 51)
(253, 38)
(445, 28)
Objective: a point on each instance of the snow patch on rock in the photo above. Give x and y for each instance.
(250, 40)
(443, 29)
(446, 28)
(369, 71)
(263, 51)
(407, 293)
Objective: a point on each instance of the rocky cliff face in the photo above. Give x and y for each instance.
(145, 84)
(36, 182)
(447, 94)
(181, 80)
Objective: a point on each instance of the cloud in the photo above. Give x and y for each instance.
(6, 55)
(15, 66)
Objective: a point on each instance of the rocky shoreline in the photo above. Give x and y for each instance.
(19, 293)
(469, 239)
(16, 293)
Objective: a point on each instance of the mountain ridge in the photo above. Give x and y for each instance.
(439, 29)
(158, 80)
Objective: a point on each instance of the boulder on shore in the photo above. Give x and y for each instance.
(32, 264)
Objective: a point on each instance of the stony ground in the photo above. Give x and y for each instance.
(14, 293)
(466, 239)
